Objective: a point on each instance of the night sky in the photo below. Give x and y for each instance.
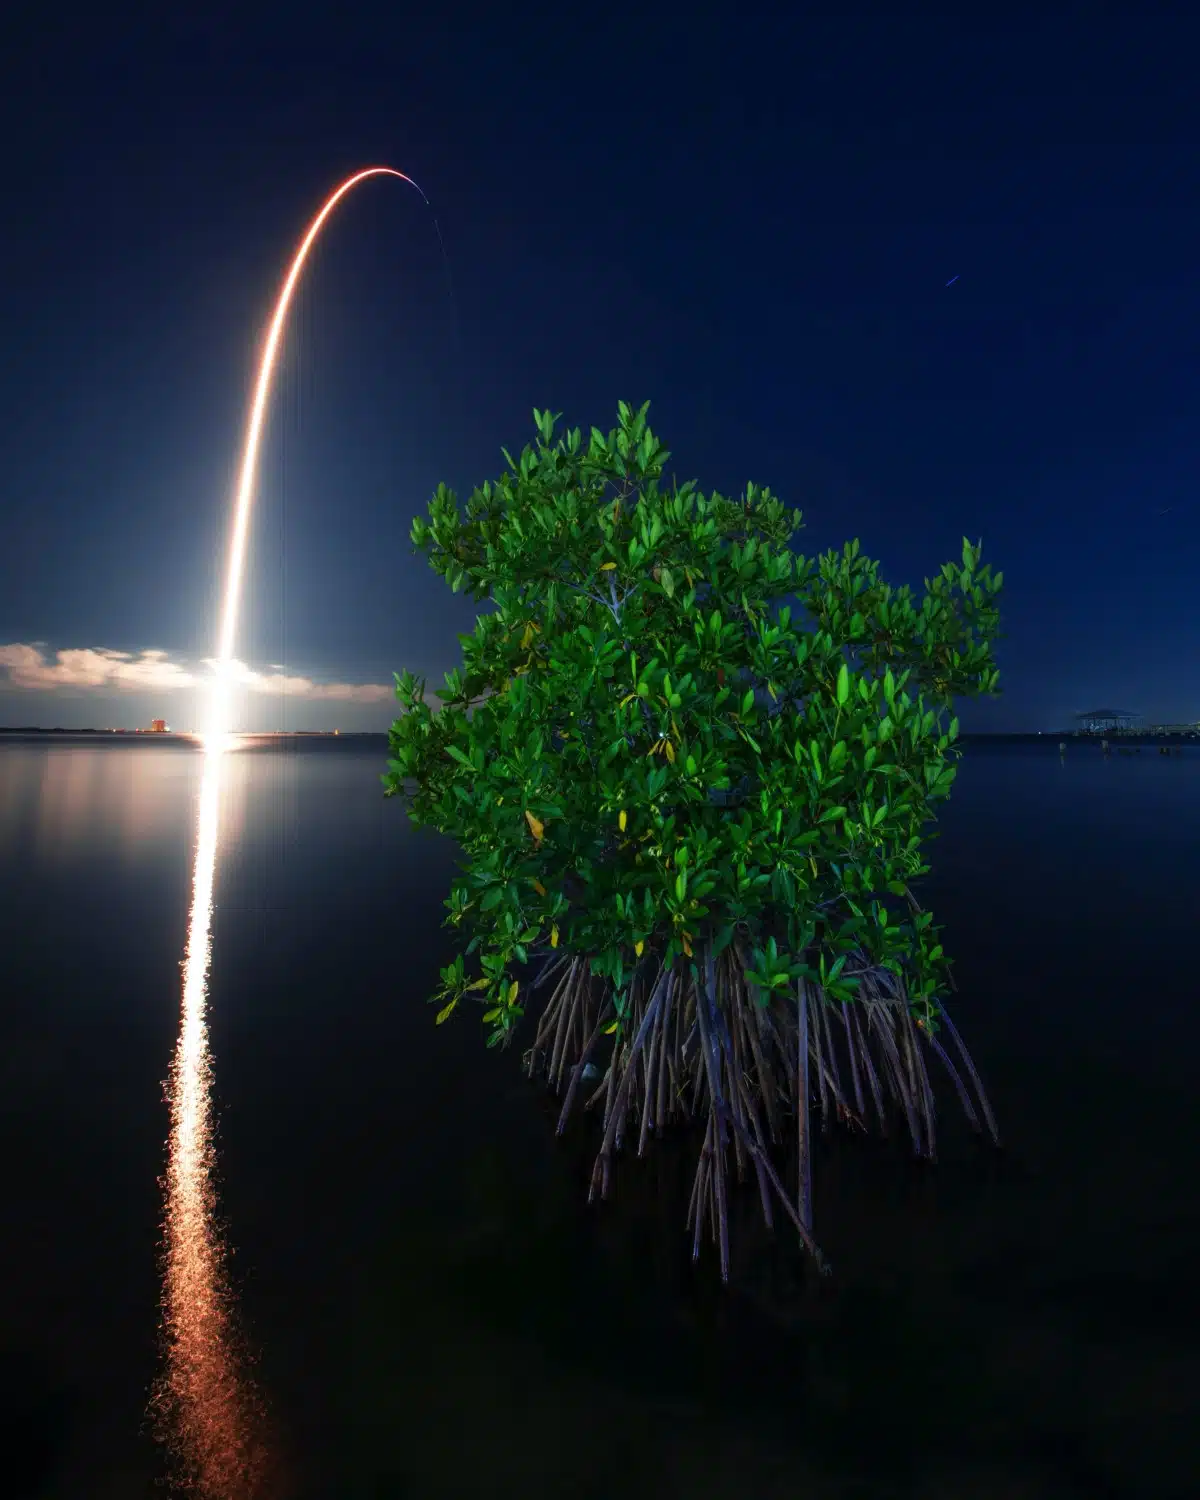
(748, 220)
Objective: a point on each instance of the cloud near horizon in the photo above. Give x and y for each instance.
(95, 668)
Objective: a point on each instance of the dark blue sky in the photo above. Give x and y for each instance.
(746, 219)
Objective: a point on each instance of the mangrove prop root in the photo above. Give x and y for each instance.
(803, 1111)
(817, 1039)
(714, 1050)
(661, 1102)
(975, 1079)
(835, 1077)
(859, 1046)
(577, 1070)
(619, 1095)
(960, 1086)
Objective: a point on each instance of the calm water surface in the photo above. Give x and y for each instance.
(437, 1311)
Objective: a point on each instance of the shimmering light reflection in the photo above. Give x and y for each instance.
(209, 1412)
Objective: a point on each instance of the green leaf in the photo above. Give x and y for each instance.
(843, 686)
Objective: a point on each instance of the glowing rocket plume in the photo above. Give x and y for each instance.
(262, 391)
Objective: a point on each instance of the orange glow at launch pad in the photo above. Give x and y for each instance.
(208, 1411)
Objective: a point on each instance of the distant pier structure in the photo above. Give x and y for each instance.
(1107, 721)
(1116, 721)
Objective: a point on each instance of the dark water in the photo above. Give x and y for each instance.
(440, 1314)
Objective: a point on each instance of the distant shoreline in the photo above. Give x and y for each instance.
(1055, 736)
(189, 734)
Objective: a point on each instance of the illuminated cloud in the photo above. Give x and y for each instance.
(93, 667)
(277, 681)
(99, 668)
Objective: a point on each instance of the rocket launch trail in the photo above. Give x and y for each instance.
(207, 1409)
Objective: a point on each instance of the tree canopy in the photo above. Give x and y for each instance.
(646, 744)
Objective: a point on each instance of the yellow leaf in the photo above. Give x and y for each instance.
(670, 752)
(638, 946)
(444, 1012)
(687, 573)
(554, 937)
(512, 993)
(675, 727)
(606, 567)
(608, 1030)
(539, 887)
(628, 698)
(536, 828)
(687, 943)
(621, 821)
(480, 984)
(813, 863)
(527, 638)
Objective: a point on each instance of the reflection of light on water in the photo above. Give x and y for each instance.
(208, 1410)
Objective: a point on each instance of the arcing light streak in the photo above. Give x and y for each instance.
(262, 390)
(208, 1410)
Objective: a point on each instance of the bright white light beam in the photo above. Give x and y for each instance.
(262, 391)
